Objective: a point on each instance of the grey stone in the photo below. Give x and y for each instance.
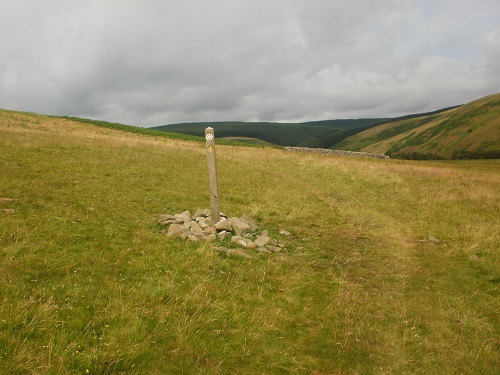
(183, 217)
(209, 220)
(252, 225)
(174, 230)
(192, 237)
(209, 237)
(209, 230)
(251, 245)
(274, 249)
(224, 224)
(433, 240)
(239, 227)
(201, 213)
(166, 219)
(223, 235)
(284, 232)
(195, 228)
(236, 238)
(262, 240)
(240, 241)
(474, 258)
(196, 214)
(202, 222)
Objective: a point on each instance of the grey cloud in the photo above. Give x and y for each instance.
(154, 62)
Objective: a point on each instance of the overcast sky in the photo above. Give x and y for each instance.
(153, 62)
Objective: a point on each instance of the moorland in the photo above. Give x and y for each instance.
(392, 266)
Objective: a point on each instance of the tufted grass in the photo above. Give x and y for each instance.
(377, 276)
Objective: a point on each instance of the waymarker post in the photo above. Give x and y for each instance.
(212, 175)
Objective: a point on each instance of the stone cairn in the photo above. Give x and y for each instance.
(326, 151)
(243, 232)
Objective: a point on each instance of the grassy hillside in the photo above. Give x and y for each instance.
(392, 266)
(283, 134)
(245, 141)
(469, 131)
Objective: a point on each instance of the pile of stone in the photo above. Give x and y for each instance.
(327, 151)
(242, 232)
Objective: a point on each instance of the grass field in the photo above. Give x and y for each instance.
(244, 141)
(392, 267)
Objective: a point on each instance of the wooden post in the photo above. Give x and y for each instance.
(212, 175)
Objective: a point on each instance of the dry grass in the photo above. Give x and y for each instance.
(376, 277)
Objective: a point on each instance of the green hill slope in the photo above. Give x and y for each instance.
(282, 134)
(469, 131)
(392, 266)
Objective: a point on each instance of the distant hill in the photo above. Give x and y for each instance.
(314, 134)
(471, 131)
(309, 134)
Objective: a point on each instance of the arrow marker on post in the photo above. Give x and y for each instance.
(212, 175)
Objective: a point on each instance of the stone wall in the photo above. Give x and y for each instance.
(326, 151)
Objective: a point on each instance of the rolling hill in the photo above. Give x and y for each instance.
(471, 131)
(309, 134)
